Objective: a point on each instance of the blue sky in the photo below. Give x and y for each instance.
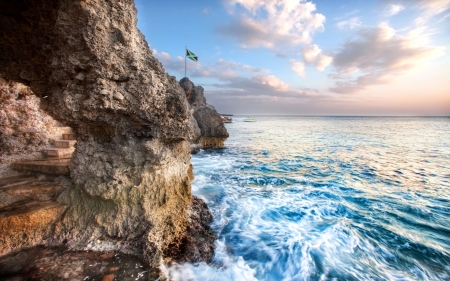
(372, 57)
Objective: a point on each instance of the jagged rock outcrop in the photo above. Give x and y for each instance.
(212, 130)
(130, 174)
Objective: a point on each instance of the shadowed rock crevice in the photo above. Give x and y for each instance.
(130, 174)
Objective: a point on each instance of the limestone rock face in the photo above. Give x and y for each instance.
(212, 130)
(131, 170)
(24, 128)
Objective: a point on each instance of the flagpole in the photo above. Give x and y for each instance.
(185, 51)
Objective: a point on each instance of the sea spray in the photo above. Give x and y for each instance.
(303, 198)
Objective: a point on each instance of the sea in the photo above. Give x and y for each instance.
(327, 198)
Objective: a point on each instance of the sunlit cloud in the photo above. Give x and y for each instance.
(272, 24)
(237, 78)
(434, 7)
(429, 8)
(175, 64)
(312, 54)
(223, 70)
(378, 55)
(298, 67)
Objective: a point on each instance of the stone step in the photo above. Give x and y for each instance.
(59, 131)
(47, 166)
(69, 136)
(16, 180)
(26, 222)
(55, 152)
(19, 188)
(64, 143)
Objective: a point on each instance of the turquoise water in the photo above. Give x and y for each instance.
(327, 198)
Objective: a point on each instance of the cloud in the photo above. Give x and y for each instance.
(239, 80)
(393, 9)
(444, 17)
(224, 70)
(258, 86)
(434, 7)
(169, 63)
(351, 13)
(378, 55)
(246, 78)
(322, 62)
(298, 67)
(272, 24)
(312, 54)
(429, 8)
(349, 24)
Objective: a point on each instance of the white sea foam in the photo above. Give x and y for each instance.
(330, 204)
(228, 268)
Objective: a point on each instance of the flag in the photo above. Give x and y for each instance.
(190, 55)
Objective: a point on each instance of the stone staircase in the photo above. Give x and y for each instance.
(57, 158)
(28, 209)
(28, 202)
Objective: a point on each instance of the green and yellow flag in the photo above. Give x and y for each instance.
(190, 55)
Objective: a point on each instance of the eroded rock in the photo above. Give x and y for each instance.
(24, 128)
(130, 174)
(212, 130)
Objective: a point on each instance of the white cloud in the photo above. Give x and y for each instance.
(322, 62)
(272, 24)
(350, 24)
(429, 8)
(298, 67)
(239, 80)
(171, 64)
(434, 6)
(224, 70)
(444, 17)
(378, 55)
(271, 81)
(245, 79)
(393, 9)
(312, 54)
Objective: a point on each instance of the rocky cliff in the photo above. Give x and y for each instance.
(129, 187)
(207, 124)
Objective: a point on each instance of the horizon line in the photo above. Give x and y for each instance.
(325, 115)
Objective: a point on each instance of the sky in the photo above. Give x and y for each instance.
(298, 57)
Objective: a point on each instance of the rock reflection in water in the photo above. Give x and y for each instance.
(41, 263)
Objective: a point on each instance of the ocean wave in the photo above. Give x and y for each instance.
(342, 202)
